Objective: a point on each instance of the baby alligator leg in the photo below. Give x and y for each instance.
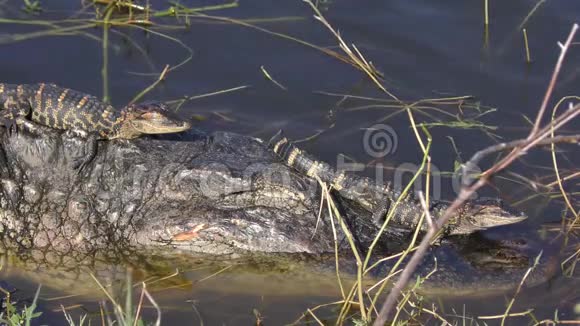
(91, 146)
(33, 128)
(14, 109)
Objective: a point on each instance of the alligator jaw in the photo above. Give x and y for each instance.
(150, 118)
(159, 127)
(493, 215)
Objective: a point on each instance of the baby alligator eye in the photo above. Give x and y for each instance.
(151, 115)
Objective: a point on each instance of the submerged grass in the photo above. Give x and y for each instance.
(12, 315)
(127, 314)
(32, 6)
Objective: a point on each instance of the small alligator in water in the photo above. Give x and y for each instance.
(84, 115)
(379, 199)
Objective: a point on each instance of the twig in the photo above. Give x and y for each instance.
(534, 141)
(150, 87)
(356, 59)
(182, 101)
(267, 75)
(297, 321)
(513, 299)
(315, 318)
(513, 314)
(140, 305)
(564, 50)
(513, 144)
(158, 320)
(527, 46)
(558, 178)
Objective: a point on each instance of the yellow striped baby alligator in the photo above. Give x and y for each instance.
(378, 199)
(82, 114)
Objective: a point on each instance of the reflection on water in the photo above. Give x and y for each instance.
(281, 287)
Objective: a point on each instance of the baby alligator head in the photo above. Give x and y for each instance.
(481, 215)
(150, 118)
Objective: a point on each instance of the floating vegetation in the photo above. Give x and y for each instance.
(32, 6)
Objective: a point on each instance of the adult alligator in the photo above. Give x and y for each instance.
(42, 108)
(206, 193)
(218, 193)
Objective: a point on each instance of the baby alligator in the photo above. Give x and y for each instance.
(82, 114)
(379, 199)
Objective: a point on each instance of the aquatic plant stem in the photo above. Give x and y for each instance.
(513, 299)
(150, 87)
(527, 46)
(105, 45)
(486, 12)
(557, 172)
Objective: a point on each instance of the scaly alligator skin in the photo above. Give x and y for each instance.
(66, 109)
(221, 194)
(380, 199)
(215, 193)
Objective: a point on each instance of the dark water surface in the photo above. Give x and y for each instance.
(426, 49)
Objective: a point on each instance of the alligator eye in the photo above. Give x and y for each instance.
(151, 115)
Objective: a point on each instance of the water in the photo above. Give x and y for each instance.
(425, 50)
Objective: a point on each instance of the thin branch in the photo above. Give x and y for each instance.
(157, 309)
(564, 50)
(571, 139)
(518, 290)
(150, 87)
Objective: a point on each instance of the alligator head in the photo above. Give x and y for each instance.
(150, 118)
(480, 215)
